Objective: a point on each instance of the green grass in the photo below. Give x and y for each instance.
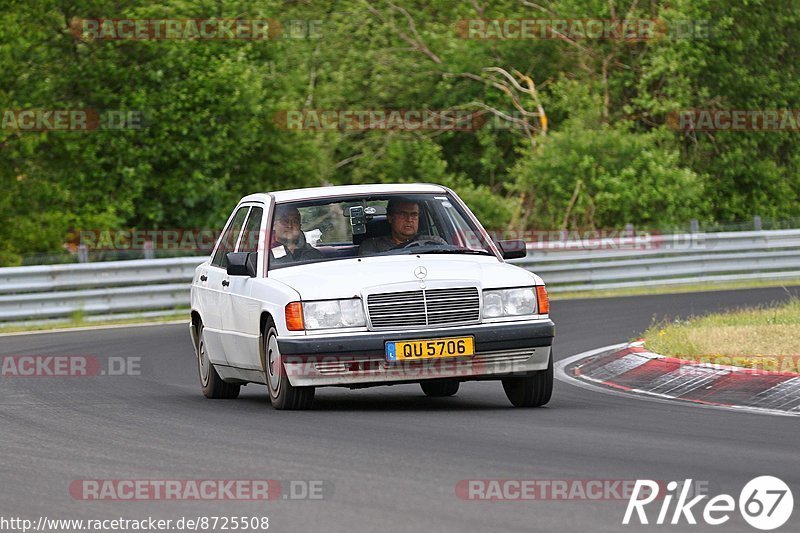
(672, 289)
(757, 337)
(78, 320)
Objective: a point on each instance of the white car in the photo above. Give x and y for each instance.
(364, 285)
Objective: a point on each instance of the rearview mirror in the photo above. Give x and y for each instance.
(515, 249)
(242, 263)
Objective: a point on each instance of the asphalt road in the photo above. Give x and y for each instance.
(389, 457)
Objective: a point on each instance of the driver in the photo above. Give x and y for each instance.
(403, 217)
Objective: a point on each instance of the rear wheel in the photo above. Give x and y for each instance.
(212, 384)
(439, 389)
(282, 394)
(531, 391)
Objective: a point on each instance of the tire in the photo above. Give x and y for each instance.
(282, 394)
(212, 384)
(439, 389)
(531, 391)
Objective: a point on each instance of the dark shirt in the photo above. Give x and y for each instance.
(376, 245)
(306, 252)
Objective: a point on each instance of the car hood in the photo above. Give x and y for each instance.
(348, 278)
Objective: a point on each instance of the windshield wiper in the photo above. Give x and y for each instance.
(456, 251)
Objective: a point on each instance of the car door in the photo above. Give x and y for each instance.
(216, 285)
(241, 312)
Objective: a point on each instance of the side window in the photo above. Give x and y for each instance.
(252, 233)
(463, 234)
(228, 240)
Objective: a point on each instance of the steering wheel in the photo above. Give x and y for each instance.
(423, 242)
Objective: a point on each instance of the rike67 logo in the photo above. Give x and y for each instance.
(765, 503)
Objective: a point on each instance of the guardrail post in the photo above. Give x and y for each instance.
(83, 253)
(694, 226)
(149, 252)
(757, 223)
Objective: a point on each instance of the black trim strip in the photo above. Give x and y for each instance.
(488, 338)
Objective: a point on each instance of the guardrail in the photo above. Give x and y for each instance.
(159, 286)
(656, 260)
(155, 286)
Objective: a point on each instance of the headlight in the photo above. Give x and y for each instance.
(509, 302)
(334, 314)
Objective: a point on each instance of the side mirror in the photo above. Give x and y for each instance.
(242, 263)
(515, 249)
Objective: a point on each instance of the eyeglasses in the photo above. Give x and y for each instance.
(290, 221)
(406, 214)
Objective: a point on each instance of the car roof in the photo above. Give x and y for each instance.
(347, 190)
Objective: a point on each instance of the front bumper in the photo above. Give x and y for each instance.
(501, 350)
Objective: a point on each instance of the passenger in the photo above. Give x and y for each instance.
(288, 241)
(403, 217)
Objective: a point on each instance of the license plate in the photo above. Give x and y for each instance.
(429, 348)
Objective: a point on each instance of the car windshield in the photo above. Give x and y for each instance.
(366, 226)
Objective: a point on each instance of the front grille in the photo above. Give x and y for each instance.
(429, 307)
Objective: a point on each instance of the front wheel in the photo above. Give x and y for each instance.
(282, 394)
(531, 391)
(212, 384)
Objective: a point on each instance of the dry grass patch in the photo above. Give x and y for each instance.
(745, 337)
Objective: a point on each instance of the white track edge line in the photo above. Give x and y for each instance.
(95, 328)
(559, 368)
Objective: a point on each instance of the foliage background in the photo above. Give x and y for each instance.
(607, 159)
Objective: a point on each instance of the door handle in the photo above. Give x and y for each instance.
(225, 283)
(203, 278)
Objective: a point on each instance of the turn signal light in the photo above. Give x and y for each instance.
(542, 300)
(294, 317)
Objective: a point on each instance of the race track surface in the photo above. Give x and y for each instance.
(390, 458)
